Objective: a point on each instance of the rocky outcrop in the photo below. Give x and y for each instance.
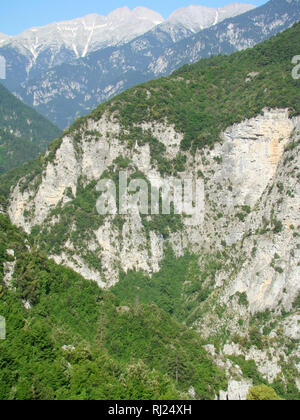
(237, 391)
(243, 165)
(292, 327)
(9, 268)
(271, 275)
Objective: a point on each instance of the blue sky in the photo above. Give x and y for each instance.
(18, 15)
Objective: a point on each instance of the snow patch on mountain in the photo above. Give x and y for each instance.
(92, 32)
(197, 18)
(85, 34)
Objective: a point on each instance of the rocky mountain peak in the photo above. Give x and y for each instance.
(83, 35)
(197, 17)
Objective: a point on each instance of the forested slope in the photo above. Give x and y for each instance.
(23, 132)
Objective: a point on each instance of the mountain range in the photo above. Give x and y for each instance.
(81, 36)
(133, 306)
(40, 56)
(63, 84)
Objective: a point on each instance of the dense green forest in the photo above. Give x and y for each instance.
(78, 342)
(23, 132)
(132, 342)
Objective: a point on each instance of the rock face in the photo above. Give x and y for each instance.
(9, 268)
(292, 327)
(251, 186)
(251, 158)
(251, 152)
(237, 391)
(262, 277)
(251, 189)
(268, 364)
(61, 175)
